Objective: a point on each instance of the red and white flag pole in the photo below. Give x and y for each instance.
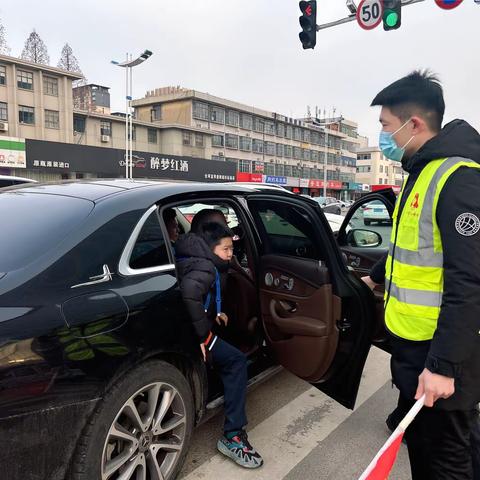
(381, 466)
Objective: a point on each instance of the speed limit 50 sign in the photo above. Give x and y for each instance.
(369, 13)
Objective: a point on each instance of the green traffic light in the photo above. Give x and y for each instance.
(391, 19)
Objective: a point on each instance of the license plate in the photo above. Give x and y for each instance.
(378, 210)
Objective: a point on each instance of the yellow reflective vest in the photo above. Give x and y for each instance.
(414, 268)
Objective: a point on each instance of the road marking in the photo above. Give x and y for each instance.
(292, 432)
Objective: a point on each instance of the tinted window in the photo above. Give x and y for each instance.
(286, 229)
(149, 249)
(33, 224)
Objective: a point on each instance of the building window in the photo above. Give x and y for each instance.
(231, 141)
(258, 124)
(315, 138)
(200, 110)
(233, 118)
(245, 166)
(297, 153)
(26, 115)
(25, 80)
(245, 144)
(288, 171)
(232, 160)
(279, 170)
(366, 156)
(306, 154)
(156, 113)
(269, 169)
(270, 148)
(269, 127)
(217, 141)
(187, 138)
(297, 134)
(52, 119)
(279, 150)
(280, 130)
(246, 121)
(218, 158)
(315, 156)
(152, 135)
(3, 112)
(288, 132)
(287, 151)
(306, 136)
(217, 114)
(78, 124)
(3, 75)
(381, 168)
(105, 128)
(257, 146)
(50, 86)
(199, 140)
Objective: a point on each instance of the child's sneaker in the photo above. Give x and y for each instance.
(237, 447)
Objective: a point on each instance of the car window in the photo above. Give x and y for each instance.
(189, 211)
(33, 224)
(373, 216)
(149, 249)
(286, 229)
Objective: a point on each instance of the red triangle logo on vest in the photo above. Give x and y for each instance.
(414, 203)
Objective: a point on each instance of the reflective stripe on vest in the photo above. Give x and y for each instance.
(414, 269)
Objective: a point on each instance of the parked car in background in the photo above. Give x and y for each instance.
(329, 204)
(101, 376)
(376, 211)
(8, 180)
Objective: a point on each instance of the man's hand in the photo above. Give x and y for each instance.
(204, 353)
(369, 282)
(434, 386)
(222, 317)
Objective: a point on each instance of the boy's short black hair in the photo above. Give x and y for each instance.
(419, 93)
(205, 216)
(169, 214)
(214, 232)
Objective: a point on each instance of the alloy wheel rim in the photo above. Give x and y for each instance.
(146, 438)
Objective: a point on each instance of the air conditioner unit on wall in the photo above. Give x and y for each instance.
(3, 126)
(105, 138)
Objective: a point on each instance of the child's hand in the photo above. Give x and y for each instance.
(222, 317)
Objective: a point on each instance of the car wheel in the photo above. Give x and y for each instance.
(141, 429)
(366, 222)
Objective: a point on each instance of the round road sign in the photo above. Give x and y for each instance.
(369, 14)
(448, 4)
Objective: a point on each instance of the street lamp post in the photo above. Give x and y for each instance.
(128, 64)
(325, 163)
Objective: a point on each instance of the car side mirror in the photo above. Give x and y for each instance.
(363, 238)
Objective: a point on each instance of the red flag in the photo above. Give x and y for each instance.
(381, 466)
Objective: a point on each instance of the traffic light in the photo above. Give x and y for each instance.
(308, 22)
(392, 14)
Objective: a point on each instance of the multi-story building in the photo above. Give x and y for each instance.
(374, 169)
(285, 150)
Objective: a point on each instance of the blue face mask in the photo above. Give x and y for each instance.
(389, 146)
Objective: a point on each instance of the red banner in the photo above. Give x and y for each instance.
(249, 177)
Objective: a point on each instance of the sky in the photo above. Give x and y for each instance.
(248, 51)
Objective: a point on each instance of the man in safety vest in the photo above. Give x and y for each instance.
(432, 274)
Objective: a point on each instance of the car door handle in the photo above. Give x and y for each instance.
(106, 276)
(287, 307)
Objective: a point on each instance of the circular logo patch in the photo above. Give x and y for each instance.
(467, 224)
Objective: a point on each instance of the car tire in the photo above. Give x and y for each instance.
(366, 222)
(144, 422)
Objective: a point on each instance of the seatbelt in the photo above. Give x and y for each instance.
(218, 295)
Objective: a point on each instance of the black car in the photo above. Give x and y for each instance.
(9, 180)
(100, 372)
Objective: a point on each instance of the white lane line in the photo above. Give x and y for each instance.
(292, 432)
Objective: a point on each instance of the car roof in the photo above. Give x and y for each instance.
(99, 189)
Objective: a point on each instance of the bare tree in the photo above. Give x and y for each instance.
(35, 49)
(68, 61)
(4, 48)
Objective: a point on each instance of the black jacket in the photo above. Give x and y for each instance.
(196, 265)
(454, 350)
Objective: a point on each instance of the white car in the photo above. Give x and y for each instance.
(375, 211)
